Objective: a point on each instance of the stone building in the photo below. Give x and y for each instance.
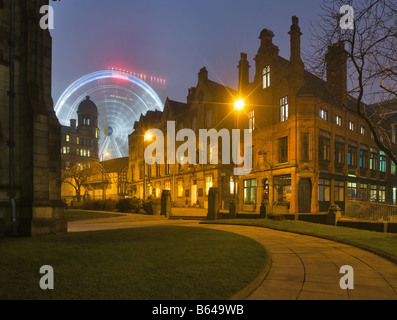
(309, 150)
(30, 134)
(80, 139)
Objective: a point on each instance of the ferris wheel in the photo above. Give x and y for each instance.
(121, 98)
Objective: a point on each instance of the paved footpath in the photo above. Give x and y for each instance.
(303, 267)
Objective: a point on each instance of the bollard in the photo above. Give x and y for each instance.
(233, 209)
(334, 215)
(213, 204)
(263, 210)
(166, 203)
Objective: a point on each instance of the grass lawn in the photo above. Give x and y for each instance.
(384, 242)
(80, 215)
(155, 263)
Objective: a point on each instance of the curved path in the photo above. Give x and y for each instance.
(303, 267)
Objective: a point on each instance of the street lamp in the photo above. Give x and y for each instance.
(238, 106)
(103, 179)
(146, 138)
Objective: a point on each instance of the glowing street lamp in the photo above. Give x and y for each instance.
(147, 138)
(239, 105)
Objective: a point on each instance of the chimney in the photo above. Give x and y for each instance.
(336, 61)
(203, 74)
(243, 72)
(295, 35)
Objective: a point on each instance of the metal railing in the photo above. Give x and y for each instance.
(372, 211)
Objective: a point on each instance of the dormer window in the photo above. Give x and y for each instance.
(266, 77)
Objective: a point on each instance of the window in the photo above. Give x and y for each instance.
(352, 156)
(252, 121)
(394, 134)
(167, 185)
(167, 169)
(373, 163)
(180, 188)
(339, 191)
(283, 150)
(67, 138)
(266, 189)
(97, 133)
(374, 193)
(284, 109)
(364, 158)
(208, 184)
(382, 194)
(232, 185)
(89, 153)
(250, 191)
(158, 172)
(363, 192)
(339, 121)
(266, 77)
(324, 190)
(282, 189)
(64, 150)
(324, 114)
(362, 131)
(339, 151)
(324, 146)
(158, 190)
(78, 140)
(393, 168)
(141, 171)
(352, 190)
(382, 162)
(351, 126)
(305, 147)
(78, 151)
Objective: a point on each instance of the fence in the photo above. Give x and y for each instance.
(371, 211)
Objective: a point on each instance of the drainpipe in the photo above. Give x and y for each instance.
(11, 142)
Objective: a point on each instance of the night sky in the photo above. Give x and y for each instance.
(171, 39)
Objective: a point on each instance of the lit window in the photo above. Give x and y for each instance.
(252, 121)
(339, 121)
(382, 162)
(78, 140)
(284, 109)
(324, 114)
(393, 168)
(97, 133)
(362, 131)
(351, 126)
(167, 185)
(88, 153)
(208, 184)
(352, 190)
(68, 150)
(250, 191)
(180, 188)
(67, 138)
(78, 151)
(64, 150)
(324, 190)
(266, 77)
(382, 194)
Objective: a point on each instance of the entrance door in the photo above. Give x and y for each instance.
(305, 195)
(194, 194)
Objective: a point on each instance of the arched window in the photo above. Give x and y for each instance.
(266, 77)
(265, 195)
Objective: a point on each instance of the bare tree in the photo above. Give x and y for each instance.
(371, 52)
(78, 172)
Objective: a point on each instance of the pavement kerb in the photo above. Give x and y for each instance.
(254, 284)
(353, 244)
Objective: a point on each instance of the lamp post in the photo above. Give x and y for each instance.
(103, 178)
(146, 137)
(238, 106)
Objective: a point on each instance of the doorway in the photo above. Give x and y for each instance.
(305, 195)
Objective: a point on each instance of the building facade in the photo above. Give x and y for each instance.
(30, 163)
(309, 149)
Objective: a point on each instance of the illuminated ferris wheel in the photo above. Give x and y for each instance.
(121, 98)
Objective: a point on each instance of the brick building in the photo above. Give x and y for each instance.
(309, 150)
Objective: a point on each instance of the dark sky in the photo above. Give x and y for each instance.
(171, 39)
